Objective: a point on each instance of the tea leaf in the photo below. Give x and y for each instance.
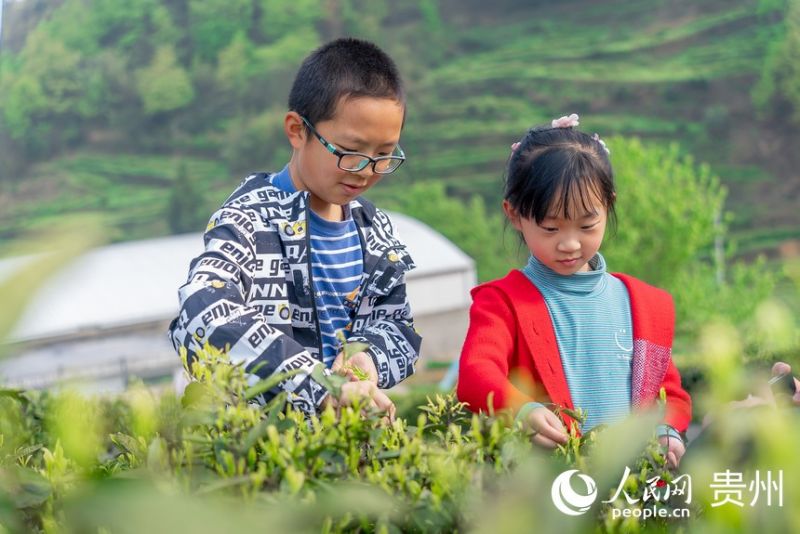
(333, 383)
(127, 443)
(28, 488)
(268, 383)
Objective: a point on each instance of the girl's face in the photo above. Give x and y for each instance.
(564, 244)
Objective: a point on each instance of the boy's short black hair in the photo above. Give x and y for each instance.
(345, 67)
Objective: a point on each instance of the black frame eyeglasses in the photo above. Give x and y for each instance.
(356, 161)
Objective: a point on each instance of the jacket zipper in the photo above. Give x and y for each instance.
(357, 303)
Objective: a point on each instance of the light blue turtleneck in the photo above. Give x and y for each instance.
(591, 317)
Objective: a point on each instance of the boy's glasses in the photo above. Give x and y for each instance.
(355, 161)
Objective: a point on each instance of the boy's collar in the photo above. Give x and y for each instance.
(283, 180)
(363, 216)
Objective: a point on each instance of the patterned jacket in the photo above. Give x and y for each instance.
(251, 291)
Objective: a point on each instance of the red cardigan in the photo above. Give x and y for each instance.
(511, 353)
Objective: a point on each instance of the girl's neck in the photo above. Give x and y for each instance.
(583, 283)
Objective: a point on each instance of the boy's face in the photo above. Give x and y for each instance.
(367, 125)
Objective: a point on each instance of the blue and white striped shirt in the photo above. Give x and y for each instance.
(337, 264)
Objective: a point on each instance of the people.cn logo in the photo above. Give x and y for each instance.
(567, 499)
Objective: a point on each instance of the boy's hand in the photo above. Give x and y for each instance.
(352, 391)
(674, 450)
(548, 428)
(362, 360)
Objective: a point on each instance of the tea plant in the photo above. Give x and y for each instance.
(215, 458)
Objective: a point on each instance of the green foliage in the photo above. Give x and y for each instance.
(779, 82)
(186, 209)
(164, 28)
(467, 224)
(235, 66)
(129, 23)
(216, 443)
(666, 207)
(47, 80)
(363, 18)
(283, 56)
(671, 234)
(213, 23)
(164, 85)
(256, 141)
(211, 459)
(23, 97)
(476, 76)
(278, 19)
(431, 16)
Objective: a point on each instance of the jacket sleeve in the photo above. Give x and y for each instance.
(393, 342)
(679, 403)
(489, 349)
(214, 309)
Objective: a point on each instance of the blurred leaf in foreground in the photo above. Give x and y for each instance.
(42, 255)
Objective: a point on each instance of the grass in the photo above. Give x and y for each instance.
(729, 42)
(577, 40)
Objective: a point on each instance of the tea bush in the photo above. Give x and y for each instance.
(212, 459)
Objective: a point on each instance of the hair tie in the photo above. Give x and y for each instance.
(567, 121)
(602, 143)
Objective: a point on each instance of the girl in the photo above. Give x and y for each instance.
(563, 330)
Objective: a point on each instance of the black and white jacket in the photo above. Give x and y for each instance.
(251, 291)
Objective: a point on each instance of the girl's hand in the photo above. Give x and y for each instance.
(362, 360)
(674, 450)
(549, 430)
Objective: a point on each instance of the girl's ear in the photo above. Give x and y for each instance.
(512, 214)
(295, 129)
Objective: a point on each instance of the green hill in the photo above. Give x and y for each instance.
(101, 102)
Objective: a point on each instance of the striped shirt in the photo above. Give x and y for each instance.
(336, 270)
(591, 318)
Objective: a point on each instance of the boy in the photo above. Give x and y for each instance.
(293, 257)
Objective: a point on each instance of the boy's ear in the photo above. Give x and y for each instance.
(512, 214)
(295, 129)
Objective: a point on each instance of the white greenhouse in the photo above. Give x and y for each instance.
(103, 319)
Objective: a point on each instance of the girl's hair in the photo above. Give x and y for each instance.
(559, 170)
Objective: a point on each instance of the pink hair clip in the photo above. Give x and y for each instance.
(567, 121)
(515, 146)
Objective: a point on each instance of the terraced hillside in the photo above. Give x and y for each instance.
(665, 71)
(479, 74)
